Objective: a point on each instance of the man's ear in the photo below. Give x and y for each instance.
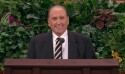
(68, 20)
(48, 23)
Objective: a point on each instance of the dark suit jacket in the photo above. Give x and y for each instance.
(79, 47)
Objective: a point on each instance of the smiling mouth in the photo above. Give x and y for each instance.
(59, 26)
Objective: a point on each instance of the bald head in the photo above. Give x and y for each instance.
(57, 6)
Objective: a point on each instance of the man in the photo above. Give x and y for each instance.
(74, 45)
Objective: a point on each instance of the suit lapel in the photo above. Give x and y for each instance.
(49, 46)
(72, 46)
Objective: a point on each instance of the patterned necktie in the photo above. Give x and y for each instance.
(58, 49)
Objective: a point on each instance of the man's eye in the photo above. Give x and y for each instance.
(54, 18)
(61, 17)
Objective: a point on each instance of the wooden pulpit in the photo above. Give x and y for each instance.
(52, 66)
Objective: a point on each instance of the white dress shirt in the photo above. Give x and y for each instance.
(64, 45)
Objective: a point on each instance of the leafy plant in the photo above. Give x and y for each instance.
(34, 14)
(14, 38)
(109, 41)
(120, 8)
(118, 41)
(20, 21)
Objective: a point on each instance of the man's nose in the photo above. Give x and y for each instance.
(58, 21)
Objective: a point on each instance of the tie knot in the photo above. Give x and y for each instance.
(58, 39)
(61, 40)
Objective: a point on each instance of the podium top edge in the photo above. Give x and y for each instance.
(62, 62)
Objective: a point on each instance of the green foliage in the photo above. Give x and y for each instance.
(14, 40)
(82, 12)
(118, 39)
(109, 42)
(34, 14)
(120, 8)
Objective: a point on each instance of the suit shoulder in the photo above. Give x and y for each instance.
(41, 36)
(79, 36)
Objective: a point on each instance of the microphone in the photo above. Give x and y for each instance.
(62, 40)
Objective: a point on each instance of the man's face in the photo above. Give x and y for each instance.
(58, 20)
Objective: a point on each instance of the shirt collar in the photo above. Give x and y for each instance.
(64, 35)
